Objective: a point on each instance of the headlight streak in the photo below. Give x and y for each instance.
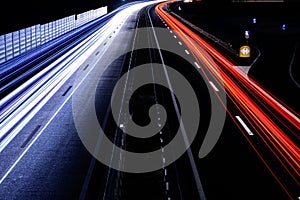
(280, 144)
(121, 17)
(38, 78)
(17, 114)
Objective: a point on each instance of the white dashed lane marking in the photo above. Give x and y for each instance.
(167, 186)
(197, 65)
(213, 86)
(244, 125)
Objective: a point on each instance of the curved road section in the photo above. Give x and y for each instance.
(144, 108)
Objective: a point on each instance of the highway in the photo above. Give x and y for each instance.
(142, 107)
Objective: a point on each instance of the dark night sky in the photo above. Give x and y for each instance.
(18, 14)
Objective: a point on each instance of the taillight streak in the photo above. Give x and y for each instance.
(279, 143)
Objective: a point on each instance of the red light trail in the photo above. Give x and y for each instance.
(246, 93)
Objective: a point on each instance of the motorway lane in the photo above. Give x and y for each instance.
(275, 68)
(284, 171)
(163, 183)
(57, 166)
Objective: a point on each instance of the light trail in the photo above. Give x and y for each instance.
(246, 93)
(37, 90)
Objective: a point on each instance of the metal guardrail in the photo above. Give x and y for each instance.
(225, 45)
(217, 40)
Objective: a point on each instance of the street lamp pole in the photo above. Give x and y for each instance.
(247, 35)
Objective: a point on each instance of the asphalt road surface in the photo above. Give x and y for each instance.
(47, 159)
